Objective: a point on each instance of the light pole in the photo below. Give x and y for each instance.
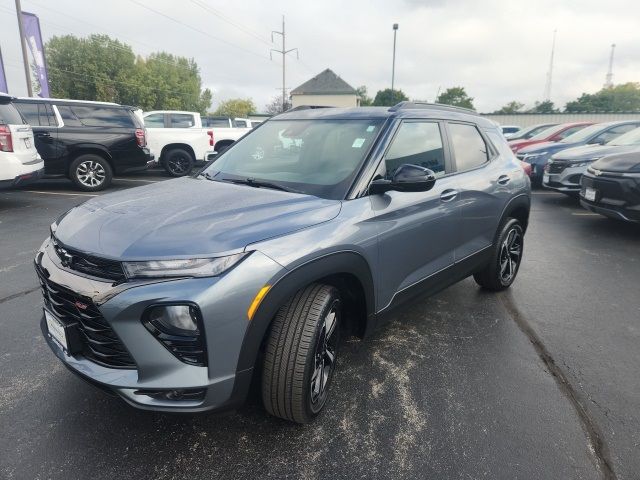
(393, 65)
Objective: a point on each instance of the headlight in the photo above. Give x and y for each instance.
(583, 164)
(192, 267)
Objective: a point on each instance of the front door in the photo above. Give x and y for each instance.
(416, 229)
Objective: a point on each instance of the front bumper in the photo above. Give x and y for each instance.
(616, 197)
(223, 302)
(563, 178)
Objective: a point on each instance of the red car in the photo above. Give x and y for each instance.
(551, 134)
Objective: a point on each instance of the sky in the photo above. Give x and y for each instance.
(498, 50)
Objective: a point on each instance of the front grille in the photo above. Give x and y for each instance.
(89, 264)
(100, 343)
(557, 167)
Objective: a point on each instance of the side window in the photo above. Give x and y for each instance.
(240, 123)
(155, 120)
(569, 131)
(68, 117)
(469, 148)
(46, 116)
(614, 132)
(416, 143)
(181, 120)
(30, 112)
(98, 116)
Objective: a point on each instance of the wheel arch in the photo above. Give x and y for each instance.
(518, 208)
(81, 149)
(173, 146)
(348, 271)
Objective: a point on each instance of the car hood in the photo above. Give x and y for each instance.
(589, 152)
(547, 147)
(187, 217)
(628, 162)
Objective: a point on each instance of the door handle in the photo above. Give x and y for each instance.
(42, 134)
(448, 195)
(504, 179)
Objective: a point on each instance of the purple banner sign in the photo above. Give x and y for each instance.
(35, 49)
(3, 77)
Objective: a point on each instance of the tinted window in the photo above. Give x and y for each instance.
(417, 143)
(468, 146)
(97, 116)
(570, 131)
(9, 115)
(215, 122)
(155, 120)
(614, 132)
(181, 120)
(37, 114)
(240, 123)
(68, 117)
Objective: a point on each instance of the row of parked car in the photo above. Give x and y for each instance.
(598, 162)
(90, 142)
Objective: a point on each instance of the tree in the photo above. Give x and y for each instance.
(236, 107)
(620, 98)
(456, 96)
(511, 107)
(365, 99)
(100, 68)
(274, 107)
(388, 97)
(546, 106)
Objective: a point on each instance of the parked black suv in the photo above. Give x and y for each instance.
(87, 142)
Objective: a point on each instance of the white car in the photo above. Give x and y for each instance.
(19, 160)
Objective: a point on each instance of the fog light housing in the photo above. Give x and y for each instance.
(179, 328)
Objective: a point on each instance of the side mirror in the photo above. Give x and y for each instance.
(407, 178)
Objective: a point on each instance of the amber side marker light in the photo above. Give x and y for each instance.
(256, 301)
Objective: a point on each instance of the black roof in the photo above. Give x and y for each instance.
(402, 110)
(326, 82)
(67, 101)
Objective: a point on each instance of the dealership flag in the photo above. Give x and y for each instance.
(37, 65)
(3, 78)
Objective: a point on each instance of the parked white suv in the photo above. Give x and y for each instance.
(19, 160)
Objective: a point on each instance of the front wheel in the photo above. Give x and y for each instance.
(300, 356)
(506, 256)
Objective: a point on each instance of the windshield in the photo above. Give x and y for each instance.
(584, 134)
(528, 132)
(629, 138)
(317, 157)
(548, 132)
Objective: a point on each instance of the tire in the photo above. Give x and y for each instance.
(506, 257)
(91, 172)
(300, 357)
(178, 162)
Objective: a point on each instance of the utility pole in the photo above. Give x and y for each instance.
(547, 88)
(608, 83)
(393, 64)
(25, 59)
(284, 52)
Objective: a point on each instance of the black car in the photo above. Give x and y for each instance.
(88, 142)
(611, 187)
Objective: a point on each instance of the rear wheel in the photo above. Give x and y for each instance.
(178, 162)
(301, 352)
(90, 172)
(501, 271)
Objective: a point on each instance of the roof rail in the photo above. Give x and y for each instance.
(307, 107)
(434, 106)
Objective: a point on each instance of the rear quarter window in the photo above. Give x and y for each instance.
(91, 116)
(9, 115)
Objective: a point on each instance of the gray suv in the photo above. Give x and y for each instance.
(316, 224)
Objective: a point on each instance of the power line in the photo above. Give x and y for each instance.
(227, 19)
(195, 29)
(284, 52)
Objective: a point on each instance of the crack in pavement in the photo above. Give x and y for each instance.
(596, 440)
(19, 294)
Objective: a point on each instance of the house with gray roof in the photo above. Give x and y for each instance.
(326, 89)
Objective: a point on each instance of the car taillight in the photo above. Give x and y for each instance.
(6, 141)
(210, 133)
(141, 137)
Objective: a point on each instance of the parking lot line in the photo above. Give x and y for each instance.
(62, 193)
(546, 193)
(586, 214)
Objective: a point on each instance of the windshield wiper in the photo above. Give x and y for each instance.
(252, 182)
(208, 176)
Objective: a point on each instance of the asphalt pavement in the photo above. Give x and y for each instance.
(537, 382)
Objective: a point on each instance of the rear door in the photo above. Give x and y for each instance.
(417, 230)
(43, 121)
(483, 183)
